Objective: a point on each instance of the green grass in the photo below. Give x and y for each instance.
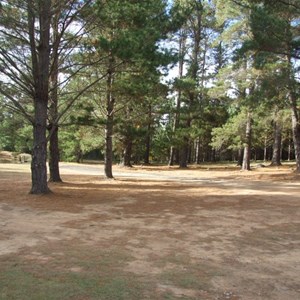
(98, 275)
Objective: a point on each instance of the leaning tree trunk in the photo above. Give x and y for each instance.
(276, 157)
(110, 102)
(247, 147)
(40, 56)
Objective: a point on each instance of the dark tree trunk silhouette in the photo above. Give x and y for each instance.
(247, 147)
(110, 101)
(127, 152)
(276, 157)
(40, 55)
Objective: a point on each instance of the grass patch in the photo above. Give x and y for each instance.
(185, 273)
(77, 273)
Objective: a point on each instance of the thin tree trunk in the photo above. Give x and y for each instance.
(148, 138)
(265, 149)
(127, 152)
(294, 114)
(182, 50)
(296, 138)
(197, 151)
(247, 147)
(193, 74)
(110, 101)
(184, 152)
(147, 150)
(276, 157)
(54, 156)
(53, 110)
(289, 149)
(240, 157)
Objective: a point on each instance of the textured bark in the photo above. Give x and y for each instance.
(247, 147)
(54, 156)
(40, 55)
(53, 107)
(276, 157)
(39, 183)
(110, 102)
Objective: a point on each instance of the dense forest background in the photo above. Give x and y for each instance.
(127, 81)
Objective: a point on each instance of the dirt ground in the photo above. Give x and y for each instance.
(210, 232)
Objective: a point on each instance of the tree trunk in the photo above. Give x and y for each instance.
(182, 50)
(39, 151)
(296, 138)
(247, 147)
(295, 123)
(265, 149)
(240, 157)
(197, 150)
(40, 56)
(127, 153)
(276, 157)
(289, 149)
(295, 114)
(184, 152)
(148, 138)
(53, 110)
(147, 150)
(54, 156)
(110, 101)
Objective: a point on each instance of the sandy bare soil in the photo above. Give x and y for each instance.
(210, 232)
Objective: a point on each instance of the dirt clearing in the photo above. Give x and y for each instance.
(153, 233)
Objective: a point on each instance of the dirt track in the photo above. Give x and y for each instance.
(208, 233)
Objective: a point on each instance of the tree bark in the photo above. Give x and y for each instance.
(40, 55)
(110, 102)
(197, 151)
(296, 136)
(53, 110)
(182, 50)
(39, 183)
(240, 157)
(54, 156)
(193, 74)
(127, 152)
(276, 157)
(247, 147)
(184, 152)
(148, 138)
(294, 112)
